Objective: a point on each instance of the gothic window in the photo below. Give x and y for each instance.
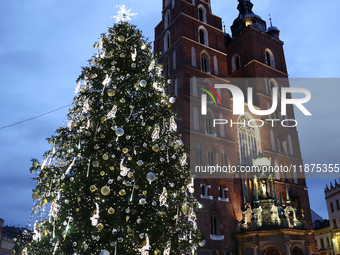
(332, 208)
(235, 63)
(211, 156)
(272, 251)
(290, 145)
(209, 128)
(216, 71)
(272, 140)
(203, 35)
(282, 144)
(166, 3)
(270, 58)
(337, 205)
(202, 14)
(222, 127)
(196, 119)
(297, 251)
(214, 223)
(174, 63)
(205, 62)
(166, 41)
(199, 160)
(215, 252)
(176, 87)
(193, 57)
(277, 173)
(166, 67)
(224, 158)
(247, 141)
(194, 86)
(167, 19)
(273, 84)
(205, 190)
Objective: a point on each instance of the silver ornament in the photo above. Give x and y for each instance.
(143, 83)
(150, 177)
(119, 131)
(172, 100)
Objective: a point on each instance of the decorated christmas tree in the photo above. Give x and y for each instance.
(116, 179)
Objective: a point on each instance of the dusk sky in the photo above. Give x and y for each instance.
(43, 45)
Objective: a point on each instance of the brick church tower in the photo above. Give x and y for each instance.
(242, 213)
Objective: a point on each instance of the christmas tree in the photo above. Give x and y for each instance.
(116, 180)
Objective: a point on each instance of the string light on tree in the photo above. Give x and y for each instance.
(111, 171)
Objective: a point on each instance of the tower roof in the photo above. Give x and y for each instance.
(246, 18)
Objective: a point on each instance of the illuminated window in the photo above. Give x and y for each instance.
(247, 141)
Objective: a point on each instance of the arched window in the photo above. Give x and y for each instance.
(196, 119)
(247, 141)
(268, 107)
(235, 63)
(166, 67)
(209, 128)
(272, 251)
(282, 144)
(214, 223)
(202, 14)
(176, 87)
(277, 173)
(270, 58)
(203, 35)
(211, 157)
(167, 19)
(290, 145)
(216, 71)
(222, 127)
(193, 57)
(272, 140)
(224, 158)
(199, 160)
(205, 62)
(297, 251)
(194, 86)
(174, 63)
(273, 84)
(166, 41)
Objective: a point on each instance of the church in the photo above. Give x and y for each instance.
(243, 213)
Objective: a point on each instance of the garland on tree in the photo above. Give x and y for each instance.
(116, 180)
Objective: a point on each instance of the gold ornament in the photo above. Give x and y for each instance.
(185, 208)
(103, 119)
(79, 155)
(130, 175)
(105, 157)
(102, 136)
(95, 164)
(35, 196)
(112, 168)
(105, 190)
(44, 201)
(102, 173)
(136, 186)
(155, 148)
(144, 192)
(96, 147)
(162, 214)
(129, 231)
(88, 133)
(129, 158)
(122, 192)
(121, 38)
(35, 164)
(111, 92)
(125, 150)
(77, 209)
(122, 55)
(100, 226)
(93, 188)
(31, 171)
(45, 233)
(157, 252)
(50, 141)
(111, 210)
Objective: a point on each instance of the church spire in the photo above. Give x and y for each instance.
(246, 18)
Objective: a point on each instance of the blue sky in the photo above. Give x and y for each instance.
(43, 45)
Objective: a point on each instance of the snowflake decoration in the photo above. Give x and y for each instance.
(123, 14)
